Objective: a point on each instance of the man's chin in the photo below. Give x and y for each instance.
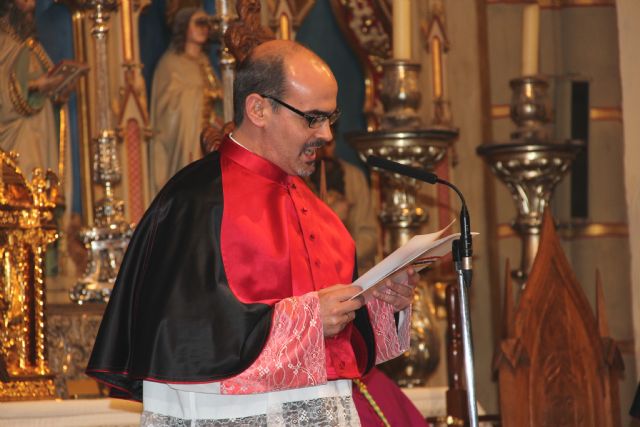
(307, 170)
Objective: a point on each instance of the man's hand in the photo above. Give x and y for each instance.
(398, 289)
(336, 311)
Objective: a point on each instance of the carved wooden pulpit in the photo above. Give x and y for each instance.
(557, 365)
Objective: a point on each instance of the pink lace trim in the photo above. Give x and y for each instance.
(294, 355)
(390, 342)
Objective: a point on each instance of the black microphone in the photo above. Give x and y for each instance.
(462, 254)
(401, 169)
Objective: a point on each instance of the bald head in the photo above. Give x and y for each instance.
(275, 67)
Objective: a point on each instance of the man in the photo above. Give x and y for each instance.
(185, 97)
(231, 306)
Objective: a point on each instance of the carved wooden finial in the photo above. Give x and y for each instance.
(557, 365)
(246, 32)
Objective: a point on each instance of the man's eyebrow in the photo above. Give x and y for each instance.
(319, 113)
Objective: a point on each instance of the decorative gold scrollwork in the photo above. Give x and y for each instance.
(27, 227)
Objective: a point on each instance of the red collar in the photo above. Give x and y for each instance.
(253, 162)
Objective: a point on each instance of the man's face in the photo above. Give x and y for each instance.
(311, 89)
(198, 30)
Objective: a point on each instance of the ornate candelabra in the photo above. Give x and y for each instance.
(531, 164)
(403, 138)
(108, 238)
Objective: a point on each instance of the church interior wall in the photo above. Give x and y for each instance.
(576, 43)
(628, 12)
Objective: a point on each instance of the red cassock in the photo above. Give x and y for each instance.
(218, 284)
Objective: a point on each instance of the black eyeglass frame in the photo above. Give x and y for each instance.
(313, 120)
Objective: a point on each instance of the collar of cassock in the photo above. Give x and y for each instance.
(253, 162)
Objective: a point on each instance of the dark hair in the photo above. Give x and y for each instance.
(181, 26)
(20, 22)
(264, 75)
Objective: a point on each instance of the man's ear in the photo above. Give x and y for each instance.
(256, 109)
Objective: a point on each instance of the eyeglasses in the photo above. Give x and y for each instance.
(315, 120)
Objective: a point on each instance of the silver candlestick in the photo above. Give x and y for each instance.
(401, 216)
(531, 164)
(107, 240)
(403, 138)
(225, 14)
(531, 172)
(400, 95)
(530, 109)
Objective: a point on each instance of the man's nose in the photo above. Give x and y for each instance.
(324, 131)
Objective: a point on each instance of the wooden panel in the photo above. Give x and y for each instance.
(556, 364)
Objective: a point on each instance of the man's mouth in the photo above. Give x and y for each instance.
(309, 150)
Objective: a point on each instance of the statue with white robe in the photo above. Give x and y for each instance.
(185, 98)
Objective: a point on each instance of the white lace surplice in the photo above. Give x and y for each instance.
(327, 405)
(286, 385)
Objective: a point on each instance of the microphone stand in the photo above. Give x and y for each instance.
(467, 344)
(462, 252)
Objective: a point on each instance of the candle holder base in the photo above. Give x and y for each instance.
(531, 172)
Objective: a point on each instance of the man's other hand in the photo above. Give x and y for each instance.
(398, 289)
(336, 310)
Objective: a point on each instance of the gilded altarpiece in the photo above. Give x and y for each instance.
(27, 227)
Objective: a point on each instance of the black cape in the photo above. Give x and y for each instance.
(172, 316)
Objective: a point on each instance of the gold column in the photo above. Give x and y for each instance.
(84, 120)
(436, 65)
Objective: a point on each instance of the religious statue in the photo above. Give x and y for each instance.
(186, 97)
(28, 91)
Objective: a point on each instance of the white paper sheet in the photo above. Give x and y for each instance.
(419, 252)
